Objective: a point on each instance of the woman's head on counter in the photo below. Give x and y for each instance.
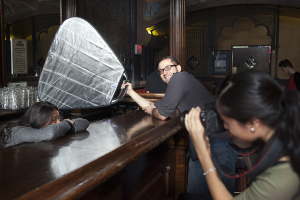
(38, 115)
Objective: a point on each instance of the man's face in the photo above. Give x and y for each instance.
(166, 75)
(285, 70)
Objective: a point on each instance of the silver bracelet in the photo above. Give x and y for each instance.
(210, 170)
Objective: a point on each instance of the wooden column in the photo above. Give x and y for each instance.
(177, 31)
(68, 8)
(2, 46)
(178, 49)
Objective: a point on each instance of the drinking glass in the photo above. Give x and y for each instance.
(5, 99)
(1, 97)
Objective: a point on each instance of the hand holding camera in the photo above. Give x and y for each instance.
(191, 121)
(209, 118)
(196, 131)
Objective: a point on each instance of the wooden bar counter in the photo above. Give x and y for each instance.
(6, 115)
(130, 156)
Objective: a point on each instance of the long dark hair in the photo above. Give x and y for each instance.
(252, 95)
(38, 115)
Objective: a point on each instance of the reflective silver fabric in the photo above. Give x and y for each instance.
(80, 71)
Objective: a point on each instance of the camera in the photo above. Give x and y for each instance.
(209, 118)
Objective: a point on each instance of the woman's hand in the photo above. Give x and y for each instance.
(72, 122)
(196, 130)
(201, 142)
(129, 88)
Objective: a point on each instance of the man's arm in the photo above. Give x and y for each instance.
(145, 104)
(142, 102)
(156, 114)
(152, 110)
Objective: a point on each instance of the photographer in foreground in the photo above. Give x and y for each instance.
(255, 107)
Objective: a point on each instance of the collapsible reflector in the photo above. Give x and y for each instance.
(81, 71)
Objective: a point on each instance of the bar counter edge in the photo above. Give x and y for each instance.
(83, 180)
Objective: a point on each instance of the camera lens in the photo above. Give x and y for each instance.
(182, 116)
(202, 117)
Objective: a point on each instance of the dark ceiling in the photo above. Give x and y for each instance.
(19, 13)
(16, 10)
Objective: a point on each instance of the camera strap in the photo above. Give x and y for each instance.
(268, 155)
(258, 144)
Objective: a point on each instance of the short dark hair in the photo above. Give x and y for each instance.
(173, 60)
(284, 63)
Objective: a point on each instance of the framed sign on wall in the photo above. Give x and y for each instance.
(19, 56)
(220, 63)
(250, 57)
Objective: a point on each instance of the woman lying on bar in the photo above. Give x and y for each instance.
(254, 107)
(39, 123)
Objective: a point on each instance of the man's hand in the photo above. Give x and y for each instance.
(142, 102)
(129, 88)
(149, 109)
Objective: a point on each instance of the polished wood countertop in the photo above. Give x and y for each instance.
(71, 166)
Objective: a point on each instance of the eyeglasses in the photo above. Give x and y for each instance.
(167, 68)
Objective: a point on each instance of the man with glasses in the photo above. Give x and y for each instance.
(184, 92)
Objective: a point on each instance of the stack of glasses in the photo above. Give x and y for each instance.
(14, 98)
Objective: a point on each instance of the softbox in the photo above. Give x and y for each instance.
(80, 71)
